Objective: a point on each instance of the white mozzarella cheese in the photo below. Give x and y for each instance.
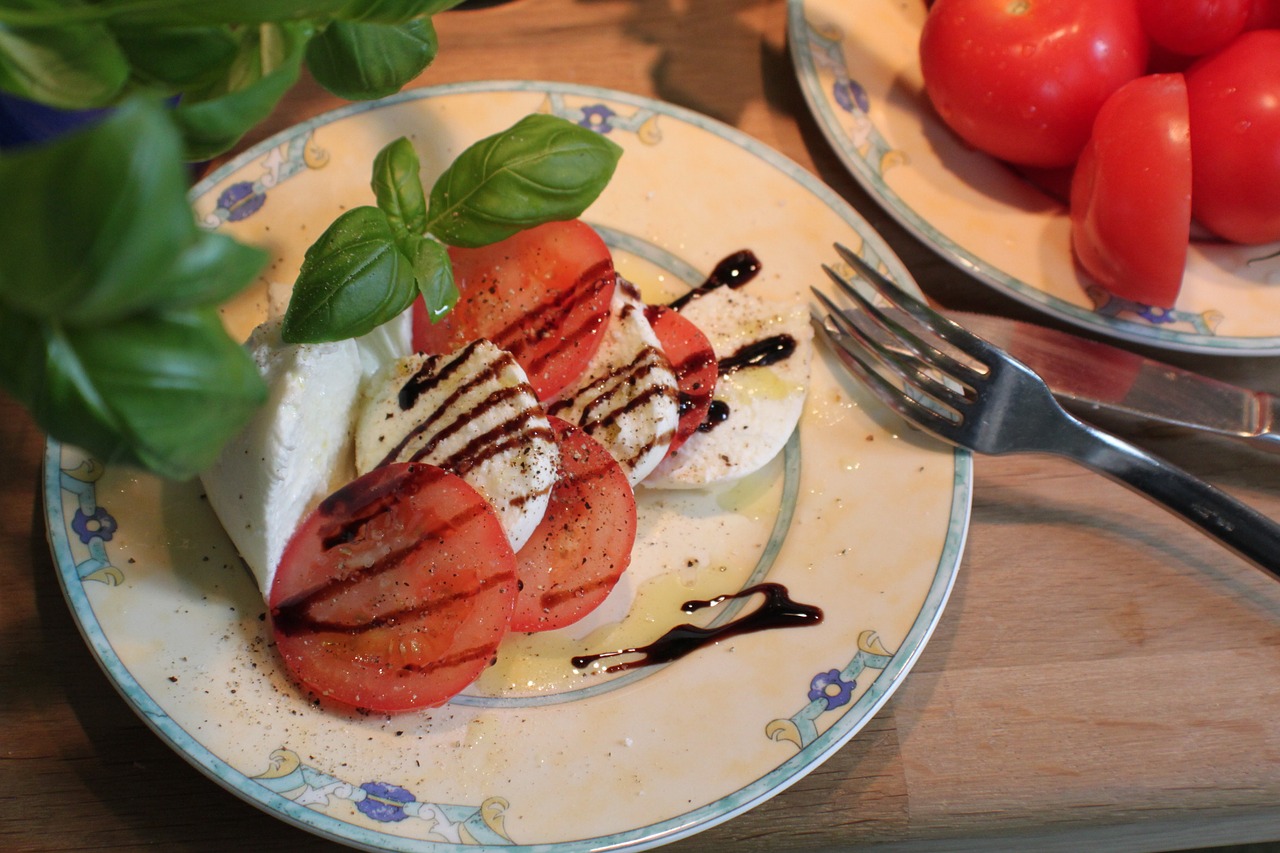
(295, 451)
(627, 398)
(390, 341)
(761, 404)
(472, 412)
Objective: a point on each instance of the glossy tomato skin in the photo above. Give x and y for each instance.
(1193, 27)
(543, 295)
(1263, 15)
(1131, 192)
(1234, 99)
(694, 361)
(1023, 79)
(583, 544)
(394, 593)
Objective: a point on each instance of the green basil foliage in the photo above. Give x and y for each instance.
(109, 332)
(372, 262)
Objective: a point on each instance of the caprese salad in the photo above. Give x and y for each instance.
(410, 496)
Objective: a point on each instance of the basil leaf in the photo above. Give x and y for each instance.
(160, 391)
(352, 279)
(398, 187)
(542, 169)
(67, 65)
(93, 220)
(392, 11)
(267, 64)
(359, 61)
(178, 58)
(234, 12)
(208, 272)
(433, 272)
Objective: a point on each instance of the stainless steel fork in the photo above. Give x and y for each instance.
(967, 392)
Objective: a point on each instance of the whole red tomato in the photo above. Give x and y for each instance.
(1234, 101)
(1023, 79)
(1263, 15)
(1193, 27)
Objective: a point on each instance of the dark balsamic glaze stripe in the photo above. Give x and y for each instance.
(733, 272)
(553, 597)
(294, 619)
(524, 426)
(601, 393)
(777, 611)
(292, 616)
(533, 327)
(761, 353)
(716, 415)
(428, 377)
(458, 658)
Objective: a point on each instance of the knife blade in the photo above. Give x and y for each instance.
(1087, 376)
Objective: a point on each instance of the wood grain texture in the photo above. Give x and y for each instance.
(1103, 676)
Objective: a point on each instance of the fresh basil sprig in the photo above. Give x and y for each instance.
(372, 262)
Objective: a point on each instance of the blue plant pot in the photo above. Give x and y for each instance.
(24, 122)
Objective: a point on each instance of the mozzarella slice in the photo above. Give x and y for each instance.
(628, 397)
(757, 405)
(472, 412)
(295, 451)
(388, 342)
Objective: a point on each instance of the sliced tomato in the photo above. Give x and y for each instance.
(694, 362)
(394, 593)
(583, 544)
(1131, 193)
(543, 295)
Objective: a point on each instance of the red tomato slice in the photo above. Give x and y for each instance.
(395, 592)
(543, 295)
(694, 362)
(1131, 195)
(583, 544)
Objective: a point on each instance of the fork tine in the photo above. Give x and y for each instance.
(925, 351)
(906, 367)
(946, 328)
(891, 395)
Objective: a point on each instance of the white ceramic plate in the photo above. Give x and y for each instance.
(857, 64)
(864, 522)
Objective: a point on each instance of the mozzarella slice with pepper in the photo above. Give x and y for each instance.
(471, 412)
(295, 451)
(628, 397)
(764, 349)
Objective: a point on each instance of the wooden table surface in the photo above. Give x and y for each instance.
(1102, 675)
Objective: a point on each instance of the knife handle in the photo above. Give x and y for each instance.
(1239, 527)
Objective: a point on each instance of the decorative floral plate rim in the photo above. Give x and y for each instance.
(855, 122)
(83, 533)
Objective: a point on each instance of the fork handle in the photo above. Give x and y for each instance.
(1239, 527)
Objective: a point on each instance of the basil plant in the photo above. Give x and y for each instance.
(109, 331)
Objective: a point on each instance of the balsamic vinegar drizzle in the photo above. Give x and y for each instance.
(761, 353)
(732, 272)
(777, 611)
